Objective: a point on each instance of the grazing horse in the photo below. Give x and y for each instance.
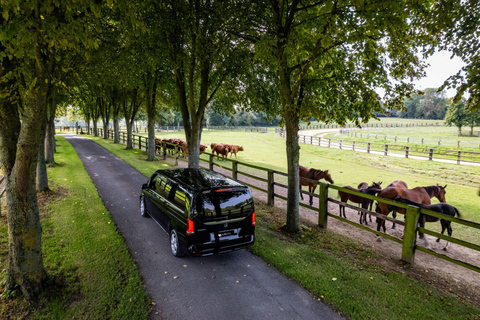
(312, 174)
(397, 184)
(370, 190)
(443, 208)
(418, 194)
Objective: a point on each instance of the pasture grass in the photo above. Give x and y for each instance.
(335, 269)
(91, 273)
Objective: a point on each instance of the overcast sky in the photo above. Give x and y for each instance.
(441, 67)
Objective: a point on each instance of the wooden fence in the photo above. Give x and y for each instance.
(386, 149)
(269, 184)
(396, 139)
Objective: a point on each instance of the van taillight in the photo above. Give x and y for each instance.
(190, 227)
(253, 218)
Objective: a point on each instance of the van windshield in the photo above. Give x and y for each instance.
(223, 205)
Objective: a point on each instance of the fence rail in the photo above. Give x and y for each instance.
(268, 183)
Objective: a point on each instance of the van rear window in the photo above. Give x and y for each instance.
(223, 205)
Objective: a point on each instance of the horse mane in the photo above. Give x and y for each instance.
(431, 190)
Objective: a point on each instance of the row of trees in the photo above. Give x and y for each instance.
(459, 114)
(291, 59)
(430, 104)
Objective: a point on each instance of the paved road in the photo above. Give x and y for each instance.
(236, 285)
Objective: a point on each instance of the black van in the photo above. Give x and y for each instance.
(204, 212)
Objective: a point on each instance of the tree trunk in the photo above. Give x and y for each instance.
(25, 267)
(151, 140)
(151, 97)
(293, 158)
(50, 142)
(129, 135)
(42, 177)
(95, 129)
(105, 129)
(87, 124)
(116, 131)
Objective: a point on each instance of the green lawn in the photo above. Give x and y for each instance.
(335, 269)
(92, 275)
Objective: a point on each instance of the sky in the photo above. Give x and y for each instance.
(441, 67)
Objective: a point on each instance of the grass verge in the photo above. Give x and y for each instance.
(337, 270)
(91, 273)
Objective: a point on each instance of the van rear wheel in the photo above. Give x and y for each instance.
(143, 210)
(175, 245)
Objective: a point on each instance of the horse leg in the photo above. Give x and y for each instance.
(394, 215)
(448, 225)
(301, 195)
(421, 223)
(364, 214)
(311, 190)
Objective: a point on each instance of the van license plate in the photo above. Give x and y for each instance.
(225, 234)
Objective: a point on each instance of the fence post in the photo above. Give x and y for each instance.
(368, 147)
(234, 169)
(458, 157)
(430, 154)
(329, 143)
(322, 205)
(458, 144)
(176, 155)
(439, 141)
(311, 139)
(353, 145)
(319, 141)
(164, 146)
(340, 145)
(406, 152)
(386, 150)
(210, 162)
(271, 189)
(422, 140)
(410, 234)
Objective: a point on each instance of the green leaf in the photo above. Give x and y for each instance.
(5, 15)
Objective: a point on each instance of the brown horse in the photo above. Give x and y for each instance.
(418, 195)
(443, 208)
(312, 174)
(371, 190)
(397, 184)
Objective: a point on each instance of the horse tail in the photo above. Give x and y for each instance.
(457, 212)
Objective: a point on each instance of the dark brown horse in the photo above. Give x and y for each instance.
(370, 190)
(418, 195)
(312, 174)
(443, 208)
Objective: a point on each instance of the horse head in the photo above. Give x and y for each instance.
(326, 176)
(377, 185)
(440, 194)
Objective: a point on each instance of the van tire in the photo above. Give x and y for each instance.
(143, 209)
(175, 245)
